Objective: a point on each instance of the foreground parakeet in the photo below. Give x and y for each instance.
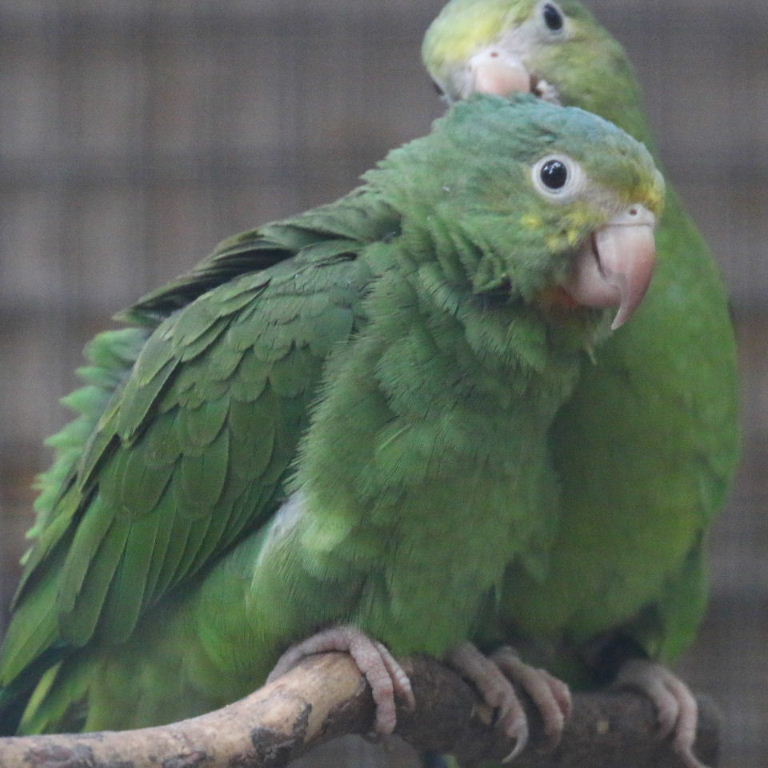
(647, 444)
(353, 435)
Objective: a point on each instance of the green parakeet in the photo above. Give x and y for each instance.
(337, 424)
(646, 446)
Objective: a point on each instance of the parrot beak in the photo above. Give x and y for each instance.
(496, 72)
(616, 266)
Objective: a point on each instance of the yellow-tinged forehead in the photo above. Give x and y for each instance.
(466, 25)
(654, 192)
(644, 185)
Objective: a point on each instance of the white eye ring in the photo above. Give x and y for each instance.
(553, 17)
(558, 178)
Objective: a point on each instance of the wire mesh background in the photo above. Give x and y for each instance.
(134, 135)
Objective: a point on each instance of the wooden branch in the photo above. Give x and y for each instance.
(326, 697)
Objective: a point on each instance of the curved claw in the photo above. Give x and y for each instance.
(677, 711)
(551, 696)
(496, 690)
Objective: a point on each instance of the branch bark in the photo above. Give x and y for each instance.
(326, 697)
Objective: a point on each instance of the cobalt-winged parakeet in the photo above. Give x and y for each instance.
(646, 446)
(338, 425)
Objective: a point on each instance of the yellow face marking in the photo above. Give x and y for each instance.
(451, 42)
(573, 225)
(653, 194)
(531, 221)
(466, 26)
(572, 237)
(580, 219)
(554, 242)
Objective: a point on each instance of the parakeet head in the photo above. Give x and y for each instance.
(553, 49)
(548, 205)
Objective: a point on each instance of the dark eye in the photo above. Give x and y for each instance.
(553, 174)
(553, 18)
(558, 178)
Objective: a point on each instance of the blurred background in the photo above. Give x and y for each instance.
(134, 135)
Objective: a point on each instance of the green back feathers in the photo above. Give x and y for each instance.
(107, 542)
(340, 226)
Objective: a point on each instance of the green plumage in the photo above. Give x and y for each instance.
(647, 445)
(340, 417)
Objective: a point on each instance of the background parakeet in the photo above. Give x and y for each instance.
(647, 445)
(355, 433)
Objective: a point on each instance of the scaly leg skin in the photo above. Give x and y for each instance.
(379, 667)
(676, 707)
(494, 677)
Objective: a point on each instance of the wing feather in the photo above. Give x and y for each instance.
(189, 449)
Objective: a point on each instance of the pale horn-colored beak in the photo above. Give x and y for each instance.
(494, 71)
(616, 266)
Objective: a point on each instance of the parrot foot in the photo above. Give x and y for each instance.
(551, 696)
(379, 667)
(494, 677)
(676, 707)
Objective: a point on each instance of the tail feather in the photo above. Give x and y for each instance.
(31, 651)
(15, 697)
